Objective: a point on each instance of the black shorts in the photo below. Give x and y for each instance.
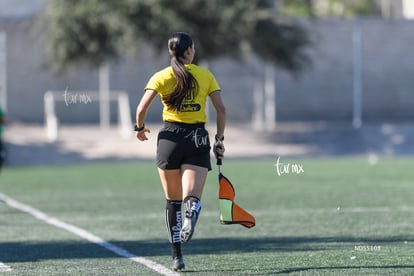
(180, 143)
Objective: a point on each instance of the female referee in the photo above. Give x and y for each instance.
(183, 145)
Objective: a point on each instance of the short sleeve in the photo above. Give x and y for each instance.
(214, 86)
(153, 84)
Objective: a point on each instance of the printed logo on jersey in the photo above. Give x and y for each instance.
(189, 105)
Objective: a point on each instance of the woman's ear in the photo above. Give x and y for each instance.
(188, 51)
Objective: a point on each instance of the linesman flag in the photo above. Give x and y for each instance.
(230, 212)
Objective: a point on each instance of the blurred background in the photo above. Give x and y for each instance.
(309, 77)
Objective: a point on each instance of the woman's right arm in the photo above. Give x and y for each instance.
(142, 110)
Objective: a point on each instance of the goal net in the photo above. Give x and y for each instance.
(85, 97)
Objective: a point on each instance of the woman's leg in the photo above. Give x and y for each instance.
(193, 180)
(188, 183)
(171, 183)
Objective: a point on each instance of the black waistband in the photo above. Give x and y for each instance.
(184, 125)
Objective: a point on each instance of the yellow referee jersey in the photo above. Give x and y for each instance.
(194, 106)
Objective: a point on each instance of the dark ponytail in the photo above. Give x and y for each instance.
(186, 85)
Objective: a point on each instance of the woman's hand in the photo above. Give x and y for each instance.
(218, 147)
(141, 134)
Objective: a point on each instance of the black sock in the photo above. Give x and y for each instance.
(173, 221)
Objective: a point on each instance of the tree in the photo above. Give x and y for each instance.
(95, 31)
(82, 32)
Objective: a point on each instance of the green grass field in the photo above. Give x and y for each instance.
(341, 216)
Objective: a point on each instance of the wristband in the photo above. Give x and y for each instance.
(219, 138)
(136, 128)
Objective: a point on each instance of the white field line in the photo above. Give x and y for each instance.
(85, 235)
(4, 268)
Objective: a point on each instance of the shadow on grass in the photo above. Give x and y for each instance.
(44, 250)
(287, 244)
(13, 252)
(50, 250)
(322, 269)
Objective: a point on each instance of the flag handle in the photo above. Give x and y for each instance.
(219, 163)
